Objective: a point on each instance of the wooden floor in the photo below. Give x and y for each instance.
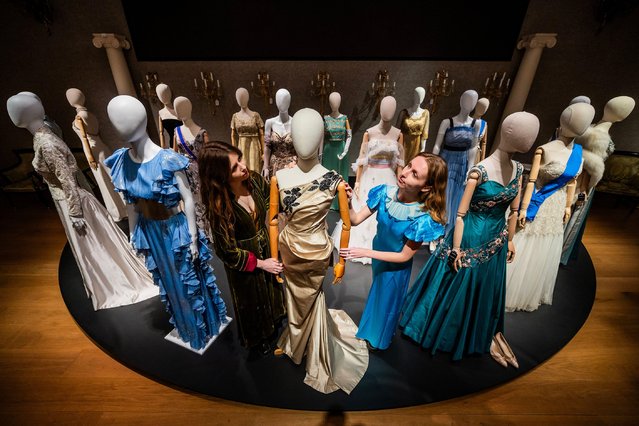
(50, 372)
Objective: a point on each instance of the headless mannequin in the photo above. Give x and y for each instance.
(183, 108)
(387, 108)
(334, 101)
(280, 124)
(415, 111)
(167, 113)
(467, 102)
(128, 116)
(574, 121)
(480, 110)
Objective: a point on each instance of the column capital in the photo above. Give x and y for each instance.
(537, 40)
(110, 40)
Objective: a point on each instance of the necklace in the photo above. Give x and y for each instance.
(247, 202)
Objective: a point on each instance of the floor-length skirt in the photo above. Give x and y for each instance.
(457, 162)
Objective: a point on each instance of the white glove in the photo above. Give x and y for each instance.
(349, 136)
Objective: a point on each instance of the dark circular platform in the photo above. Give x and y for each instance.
(403, 375)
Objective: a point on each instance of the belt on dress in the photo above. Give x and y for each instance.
(155, 211)
(379, 166)
(454, 148)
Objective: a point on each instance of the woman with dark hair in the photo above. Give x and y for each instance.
(236, 201)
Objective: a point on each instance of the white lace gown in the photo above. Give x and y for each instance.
(530, 278)
(380, 162)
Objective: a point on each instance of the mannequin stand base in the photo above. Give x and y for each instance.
(173, 337)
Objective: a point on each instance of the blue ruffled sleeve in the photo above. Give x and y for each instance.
(375, 196)
(115, 163)
(165, 187)
(424, 229)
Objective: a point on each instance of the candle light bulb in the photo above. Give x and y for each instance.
(218, 84)
(195, 81)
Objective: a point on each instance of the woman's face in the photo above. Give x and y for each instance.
(239, 171)
(413, 177)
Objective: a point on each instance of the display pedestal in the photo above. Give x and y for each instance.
(173, 337)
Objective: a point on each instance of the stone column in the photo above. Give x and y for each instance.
(113, 44)
(534, 45)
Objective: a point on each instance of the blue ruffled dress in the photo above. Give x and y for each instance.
(187, 287)
(396, 224)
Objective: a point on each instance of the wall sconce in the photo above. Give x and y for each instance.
(494, 88)
(322, 86)
(440, 86)
(381, 88)
(209, 89)
(264, 88)
(147, 89)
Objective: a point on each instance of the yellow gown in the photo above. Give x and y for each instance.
(414, 130)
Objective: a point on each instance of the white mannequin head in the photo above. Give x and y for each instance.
(518, 132)
(164, 93)
(183, 108)
(617, 109)
(580, 99)
(468, 101)
(283, 100)
(575, 119)
(26, 111)
(307, 131)
(481, 107)
(334, 100)
(242, 97)
(128, 116)
(75, 97)
(418, 95)
(387, 108)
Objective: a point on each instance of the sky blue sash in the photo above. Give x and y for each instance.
(538, 197)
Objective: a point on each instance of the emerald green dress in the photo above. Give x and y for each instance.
(258, 300)
(334, 143)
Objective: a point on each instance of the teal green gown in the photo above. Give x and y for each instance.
(460, 312)
(334, 143)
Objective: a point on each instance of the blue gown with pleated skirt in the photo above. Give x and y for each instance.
(397, 223)
(187, 287)
(460, 312)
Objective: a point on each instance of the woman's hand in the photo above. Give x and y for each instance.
(270, 265)
(349, 191)
(354, 252)
(510, 256)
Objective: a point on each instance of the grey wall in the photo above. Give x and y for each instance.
(600, 66)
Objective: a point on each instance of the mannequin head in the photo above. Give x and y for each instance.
(387, 108)
(418, 95)
(26, 111)
(128, 116)
(575, 119)
(307, 130)
(468, 101)
(282, 100)
(75, 98)
(581, 99)
(164, 93)
(617, 109)
(518, 132)
(183, 108)
(334, 100)
(242, 97)
(481, 107)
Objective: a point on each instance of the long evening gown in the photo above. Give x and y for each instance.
(113, 275)
(187, 286)
(414, 130)
(397, 223)
(460, 312)
(335, 358)
(248, 138)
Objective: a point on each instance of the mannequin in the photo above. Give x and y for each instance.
(153, 182)
(86, 126)
(456, 303)
(480, 110)
(556, 165)
(457, 143)
(335, 359)
(112, 274)
(247, 132)
(381, 159)
(278, 146)
(597, 146)
(337, 140)
(189, 140)
(414, 122)
(167, 119)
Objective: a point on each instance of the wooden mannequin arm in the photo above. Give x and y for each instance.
(338, 269)
(273, 210)
(86, 146)
(440, 137)
(161, 132)
(512, 223)
(233, 139)
(534, 173)
(482, 143)
(464, 205)
(400, 143)
(206, 137)
(176, 141)
(362, 153)
(570, 194)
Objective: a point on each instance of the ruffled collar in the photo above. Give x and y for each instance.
(399, 210)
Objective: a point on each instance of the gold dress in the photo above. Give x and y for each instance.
(414, 130)
(335, 358)
(248, 138)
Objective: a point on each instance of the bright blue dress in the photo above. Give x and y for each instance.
(457, 141)
(396, 224)
(460, 312)
(187, 287)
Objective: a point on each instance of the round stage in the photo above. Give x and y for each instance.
(401, 376)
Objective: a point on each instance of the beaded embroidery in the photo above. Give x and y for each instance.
(474, 256)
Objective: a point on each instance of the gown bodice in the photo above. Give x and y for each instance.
(281, 145)
(414, 126)
(459, 138)
(335, 128)
(384, 153)
(247, 126)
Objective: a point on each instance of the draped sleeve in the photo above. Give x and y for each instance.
(424, 229)
(375, 196)
(165, 187)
